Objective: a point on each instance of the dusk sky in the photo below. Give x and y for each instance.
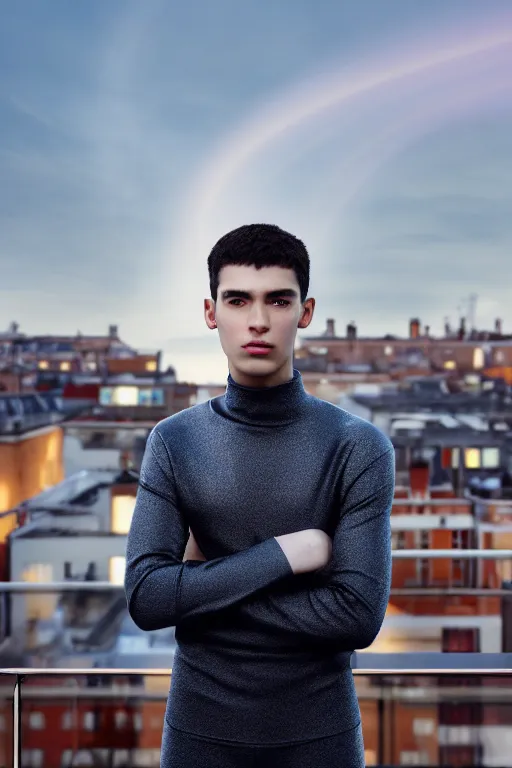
(134, 134)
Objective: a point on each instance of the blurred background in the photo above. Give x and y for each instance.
(132, 136)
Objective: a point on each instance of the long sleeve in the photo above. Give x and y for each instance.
(347, 609)
(160, 589)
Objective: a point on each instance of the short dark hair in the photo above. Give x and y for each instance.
(260, 245)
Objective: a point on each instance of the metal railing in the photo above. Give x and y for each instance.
(386, 685)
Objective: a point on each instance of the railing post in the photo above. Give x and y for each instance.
(16, 730)
(381, 726)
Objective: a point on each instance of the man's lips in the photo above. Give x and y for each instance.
(257, 348)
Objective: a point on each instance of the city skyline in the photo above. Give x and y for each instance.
(133, 136)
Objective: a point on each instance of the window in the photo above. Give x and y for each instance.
(90, 721)
(450, 365)
(32, 758)
(65, 366)
(151, 365)
(122, 513)
(414, 757)
(388, 350)
(68, 720)
(456, 640)
(318, 350)
(125, 396)
(43, 365)
(423, 726)
(478, 358)
(472, 458)
(150, 397)
(455, 458)
(36, 720)
(116, 570)
(146, 758)
(121, 719)
(490, 458)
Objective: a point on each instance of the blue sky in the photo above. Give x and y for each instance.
(133, 135)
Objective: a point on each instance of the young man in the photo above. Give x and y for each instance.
(287, 569)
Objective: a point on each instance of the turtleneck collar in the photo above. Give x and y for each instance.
(265, 406)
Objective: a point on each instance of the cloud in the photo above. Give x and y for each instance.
(133, 136)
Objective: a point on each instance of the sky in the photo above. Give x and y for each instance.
(134, 134)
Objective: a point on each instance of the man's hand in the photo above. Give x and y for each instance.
(192, 551)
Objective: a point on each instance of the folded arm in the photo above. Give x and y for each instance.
(347, 609)
(162, 590)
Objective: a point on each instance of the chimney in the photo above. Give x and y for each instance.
(498, 326)
(427, 331)
(351, 331)
(414, 328)
(330, 331)
(113, 331)
(447, 328)
(462, 329)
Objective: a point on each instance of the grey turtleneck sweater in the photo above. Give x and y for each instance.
(263, 655)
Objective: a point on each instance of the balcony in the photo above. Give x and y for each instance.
(82, 685)
(429, 710)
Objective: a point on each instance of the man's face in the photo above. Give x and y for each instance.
(258, 305)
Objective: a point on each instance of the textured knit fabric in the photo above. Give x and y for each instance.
(263, 655)
(184, 750)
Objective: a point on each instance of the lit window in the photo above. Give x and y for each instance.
(499, 356)
(388, 350)
(478, 358)
(43, 365)
(151, 365)
(122, 513)
(450, 365)
(472, 458)
(65, 366)
(125, 396)
(116, 569)
(490, 458)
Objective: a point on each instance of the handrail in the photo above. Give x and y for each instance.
(52, 587)
(463, 667)
(456, 554)
(381, 693)
(442, 501)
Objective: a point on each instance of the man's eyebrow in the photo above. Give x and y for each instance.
(234, 294)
